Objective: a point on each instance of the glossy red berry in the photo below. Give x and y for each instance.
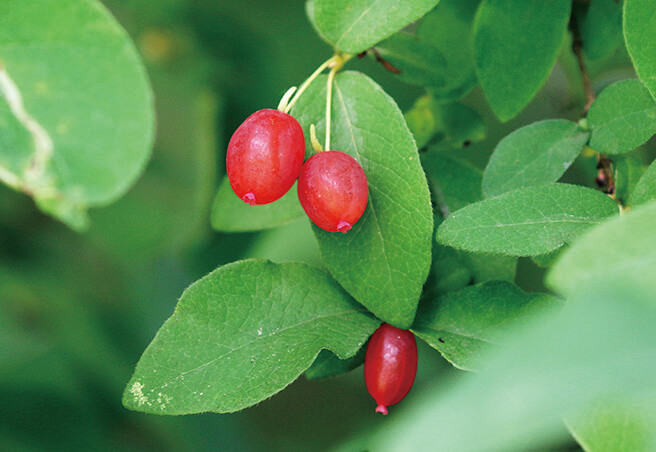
(265, 155)
(390, 365)
(333, 191)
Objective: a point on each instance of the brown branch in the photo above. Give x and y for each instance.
(577, 48)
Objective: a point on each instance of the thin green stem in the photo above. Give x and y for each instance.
(309, 80)
(335, 66)
(329, 102)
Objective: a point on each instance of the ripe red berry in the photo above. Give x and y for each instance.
(265, 155)
(333, 191)
(390, 365)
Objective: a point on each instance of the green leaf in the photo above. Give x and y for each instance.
(645, 189)
(450, 125)
(243, 333)
(621, 248)
(448, 28)
(628, 171)
(328, 364)
(354, 26)
(231, 214)
(492, 267)
(439, 54)
(515, 47)
(384, 260)
(601, 28)
(526, 222)
(640, 36)
(76, 111)
(622, 118)
(617, 423)
(602, 342)
(537, 154)
(292, 242)
(424, 120)
(455, 183)
(418, 62)
(460, 324)
(167, 209)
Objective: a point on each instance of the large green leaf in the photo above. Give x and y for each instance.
(384, 260)
(640, 38)
(243, 333)
(167, 209)
(536, 154)
(622, 118)
(628, 246)
(76, 115)
(460, 324)
(354, 26)
(526, 222)
(515, 47)
(231, 214)
(618, 423)
(645, 189)
(440, 53)
(602, 342)
(600, 25)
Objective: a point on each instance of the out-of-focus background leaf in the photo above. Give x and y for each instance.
(77, 311)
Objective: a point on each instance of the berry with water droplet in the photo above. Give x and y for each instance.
(333, 191)
(265, 155)
(390, 365)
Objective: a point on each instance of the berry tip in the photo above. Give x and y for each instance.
(343, 226)
(381, 409)
(249, 198)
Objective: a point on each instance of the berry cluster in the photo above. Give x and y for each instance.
(265, 157)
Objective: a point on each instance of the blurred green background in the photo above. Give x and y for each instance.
(77, 310)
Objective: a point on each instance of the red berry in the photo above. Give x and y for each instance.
(264, 156)
(390, 365)
(332, 188)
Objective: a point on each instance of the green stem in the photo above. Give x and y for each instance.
(307, 82)
(335, 66)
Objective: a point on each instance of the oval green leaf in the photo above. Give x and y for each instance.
(600, 24)
(645, 189)
(231, 214)
(526, 222)
(166, 210)
(628, 247)
(354, 26)
(439, 55)
(460, 324)
(537, 154)
(622, 118)
(640, 38)
(75, 103)
(243, 333)
(384, 260)
(515, 48)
